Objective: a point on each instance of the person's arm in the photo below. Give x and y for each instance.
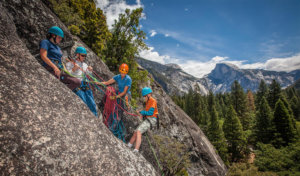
(43, 53)
(75, 67)
(111, 81)
(147, 113)
(89, 70)
(150, 112)
(123, 93)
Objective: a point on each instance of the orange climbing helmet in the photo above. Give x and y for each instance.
(123, 68)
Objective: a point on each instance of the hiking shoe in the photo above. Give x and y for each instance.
(135, 151)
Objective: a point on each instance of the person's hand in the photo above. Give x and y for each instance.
(141, 117)
(57, 72)
(100, 83)
(138, 112)
(90, 68)
(76, 67)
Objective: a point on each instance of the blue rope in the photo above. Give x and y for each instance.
(116, 126)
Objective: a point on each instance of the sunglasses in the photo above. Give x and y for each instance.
(82, 55)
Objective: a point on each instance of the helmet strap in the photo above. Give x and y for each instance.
(54, 38)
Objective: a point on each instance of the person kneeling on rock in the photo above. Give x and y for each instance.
(51, 55)
(78, 68)
(150, 115)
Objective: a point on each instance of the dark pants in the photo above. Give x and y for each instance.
(70, 81)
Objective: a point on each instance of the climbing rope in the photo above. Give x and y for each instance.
(158, 163)
(111, 115)
(112, 121)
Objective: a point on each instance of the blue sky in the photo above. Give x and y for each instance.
(197, 34)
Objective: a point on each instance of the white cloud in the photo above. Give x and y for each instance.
(156, 57)
(112, 9)
(167, 35)
(153, 33)
(199, 69)
(218, 58)
(283, 64)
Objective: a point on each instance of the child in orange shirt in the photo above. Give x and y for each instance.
(150, 113)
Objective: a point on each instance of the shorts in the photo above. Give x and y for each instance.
(145, 125)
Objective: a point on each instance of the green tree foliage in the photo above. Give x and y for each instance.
(264, 127)
(211, 101)
(246, 169)
(85, 20)
(283, 161)
(295, 104)
(216, 135)
(174, 156)
(250, 101)
(126, 41)
(274, 93)
(239, 102)
(124, 46)
(285, 131)
(234, 134)
(262, 91)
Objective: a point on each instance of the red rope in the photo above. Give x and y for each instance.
(110, 91)
(127, 111)
(98, 75)
(109, 106)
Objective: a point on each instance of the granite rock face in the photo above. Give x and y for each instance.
(47, 130)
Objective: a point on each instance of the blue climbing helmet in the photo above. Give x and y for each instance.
(80, 50)
(57, 31)
(146, 91)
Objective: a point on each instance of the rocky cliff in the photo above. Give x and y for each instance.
(47, 130)
(172, 78)
(175, 81)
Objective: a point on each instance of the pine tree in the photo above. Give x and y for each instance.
(211, 101)
(239, 102)
(234, 134)
(263, 91)
(264, 126)
(250, 101)
(285, 130)
(274, 93)
(216, 135)
(295, 106)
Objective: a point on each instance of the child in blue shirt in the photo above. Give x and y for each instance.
(123, 80)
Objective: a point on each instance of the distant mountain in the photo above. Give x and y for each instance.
(223, 75)
(296, 85)
(175, 81)
(171, 77)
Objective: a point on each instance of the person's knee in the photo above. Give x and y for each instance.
(77, 82)
(138, 133)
